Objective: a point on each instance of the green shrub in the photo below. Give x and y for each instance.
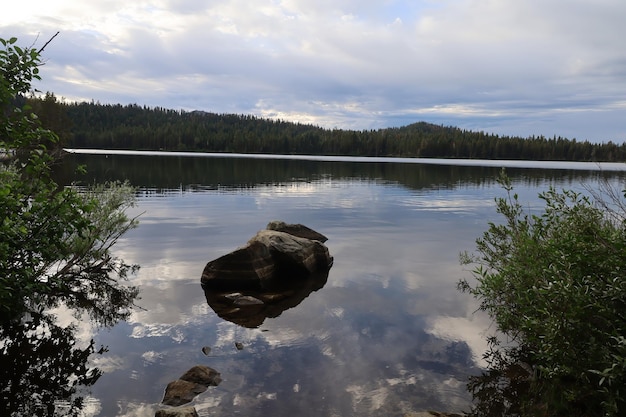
(554, 284)
(55, 250)
(55, 241)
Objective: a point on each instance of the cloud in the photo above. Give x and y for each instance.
(508, 67)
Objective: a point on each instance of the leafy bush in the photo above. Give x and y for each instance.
(55, 249)
(55, 241)
(555, 286)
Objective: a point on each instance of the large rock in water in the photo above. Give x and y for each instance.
(275, 257)
(277, 269)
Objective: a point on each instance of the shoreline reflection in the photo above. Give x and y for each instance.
(49, 372)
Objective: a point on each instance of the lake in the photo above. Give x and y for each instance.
(387, 334)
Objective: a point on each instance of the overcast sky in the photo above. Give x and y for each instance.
(531, 67)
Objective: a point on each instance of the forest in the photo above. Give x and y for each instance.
(135, 127)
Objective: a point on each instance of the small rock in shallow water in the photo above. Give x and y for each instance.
(233, 295)
(239, 345)
(193, 382)
(247, 300)
(181, 392)
(178, 412)
(206, 350)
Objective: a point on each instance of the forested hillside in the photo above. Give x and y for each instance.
(94, 125)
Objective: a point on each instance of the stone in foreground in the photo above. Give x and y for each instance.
(193, 382)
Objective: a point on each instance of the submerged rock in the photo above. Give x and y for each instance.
(177, 412)
(193, 382)
(247, 300)
(272, 302)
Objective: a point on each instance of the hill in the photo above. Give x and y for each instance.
(95, 125)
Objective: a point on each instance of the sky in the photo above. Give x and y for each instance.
(519, 68)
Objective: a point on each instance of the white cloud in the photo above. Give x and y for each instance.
(504, 66)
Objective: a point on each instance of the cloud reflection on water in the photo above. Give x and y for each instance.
(387, 334)
(367, 332)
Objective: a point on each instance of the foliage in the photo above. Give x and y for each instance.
(555, 285)
(49, 386)
(137, 127)
(55, 242)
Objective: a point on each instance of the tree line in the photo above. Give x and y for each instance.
(107, 126)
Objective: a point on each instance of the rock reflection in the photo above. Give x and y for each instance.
(251, 308)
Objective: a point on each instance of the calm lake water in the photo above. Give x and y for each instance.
(387, 334)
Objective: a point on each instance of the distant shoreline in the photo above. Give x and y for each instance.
(497, 163)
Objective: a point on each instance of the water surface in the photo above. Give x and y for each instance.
(387, 334)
